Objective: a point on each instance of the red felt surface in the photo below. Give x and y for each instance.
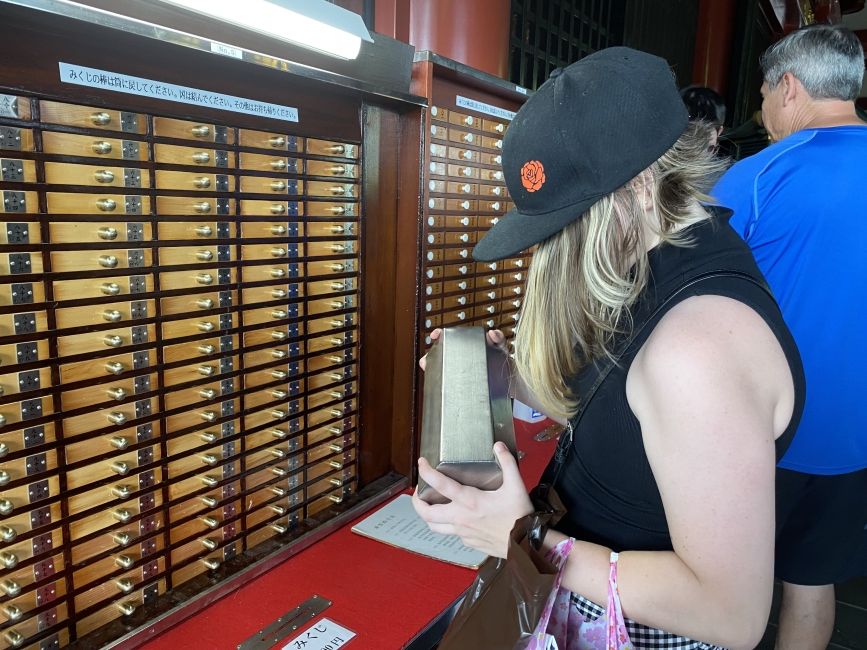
(383, 594)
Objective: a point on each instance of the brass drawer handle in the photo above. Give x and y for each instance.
(495, 205)
(337, 190)
(202, 131)
(207, 371)
(336, 482)
(101, 118)
(211, 564)
(279, 313)
(277, 141)
(276, 489)
(497, 175)
(337, 210)
(209, 459)
(208, 437)
(336, 413)
(279, 414)
(206, 326)
(337, 267)
(121, 491)
(107, 232)
(103, 176)
(337, 170)
(2, 422)
(338, 248)
(101, 147)
(500, 128)
(498, 144)
(112, 315)
(278, 453)
(279, 374)
(210, 522)
(207, 348)
(467, 171)
(209, 416)
(277, 335)
(115, 367)
(210, 543)
(108, 261)
(120, 467)
(113, 340)
(209, 501)
(202, 207)
(10, 588)
(279, 528)
(278, 471)
(205, 303)
(204, 231)
(119, 442)
(466, 188)
(116, 393)
(13, 614)
(204, 278)
(278, 208)
(278, 252)
(496, 190)
(121, 538)
(468, 120)
(278, 273)
(124, 561)
(279, 230)
(127, 607)
(279, 433)
(13, 637)
(122, 515)
(202, 182)
(279, 164)
(210, 481)
(278, 186)
(4, 477)
(110, 288)
(6, 507)
(201, 157)
(279, 394)
(208, 393)
(7, 534)
(8, 560)
(337, 498)
(280, 510)
(336, 149)
(279, 354)
(124, 585)
(116, 417)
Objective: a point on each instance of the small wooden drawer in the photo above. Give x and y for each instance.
(211, 325)
(345, 358)
(273, 271)
(166, 127)
(491, 175)
(331, 395)
(495, 159)
(330, 209)
(171, 154)
(198, 205)
(107, 591)
(270, 163)
(73, 232)
(487, 295)
(511, 304)
(96, 175)
(20, 232)
(104, 340)
(101, 259)
(282, 291)
(202, 369)
(194, 181)
(14, 202)
(202, 416)
(514, 290)
(201, 349)
(492, 206)
(338, 432)
(126, 414)
(332, 189)
(200, 396)
(17, 171)
(210, 277)
(330, 323)
(494, 126)
(277, 252)
(334, 303)
(517, 263)
(122, 391)
(433, 288)
(271, 228)
(514, 275)
(278, 398)
(115, 365)
(498, 191)
(456, 270)
(486, 311)
(195, 230)
(97, 204)
(457, 317)
(18, 499)
(32, 439)
(15, 354)
(201, 254)
(270, 185)
(453, 187)
(90, 117)
(272, 335)
(123, 467)
(331, 340)
(275, 314)
(12, 264)
(492, 143)
(279, 351)
(437, 168)
(286, 436)
(329, 248)
(438, 150)
(285, 372)
(329, 148)
(464, 120)
(317, 268)
(192, 303)
(463, 171)
(438, 131)
(21, 522)
(23, 382)
(336, 411)
(329, 378)
(205, 474)
(124, 604)
(118, 505)
(463, 137)
(340, 285)
(276, 416)
(272, 208)
(207, 443)
(267, 140)
(109, 312)
(457, 238)
(105, 287)
(439, 113)
(332, 228)
(331, 169)
(457, 302)
(94, 146)
(463, 155)
(436, 186)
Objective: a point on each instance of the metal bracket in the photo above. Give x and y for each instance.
(286, 624)
(12, 170)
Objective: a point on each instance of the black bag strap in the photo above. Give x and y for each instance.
(565, 440)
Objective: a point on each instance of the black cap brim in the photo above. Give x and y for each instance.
(516, 232)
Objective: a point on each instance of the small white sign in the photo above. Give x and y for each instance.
(323, 635)
(121, 83)
(521, 90)
(226, 50)
(482, 107)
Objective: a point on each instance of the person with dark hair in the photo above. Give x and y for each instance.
(647, 329)
(800, 205)
(705, 104)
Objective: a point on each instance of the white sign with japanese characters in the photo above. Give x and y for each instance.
(122, 83)
(325, 634)
(482, 107)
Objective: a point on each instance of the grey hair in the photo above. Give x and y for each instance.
(827, 59)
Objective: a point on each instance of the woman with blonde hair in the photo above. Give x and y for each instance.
(648, 330)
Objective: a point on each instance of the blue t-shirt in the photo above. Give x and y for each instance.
(801, 205)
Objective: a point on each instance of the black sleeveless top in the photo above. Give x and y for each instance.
(605, 481)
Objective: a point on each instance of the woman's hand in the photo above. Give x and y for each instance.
(482, 519)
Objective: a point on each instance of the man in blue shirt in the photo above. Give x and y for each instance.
(801, 205)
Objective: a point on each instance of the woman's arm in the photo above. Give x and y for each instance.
(712, 390)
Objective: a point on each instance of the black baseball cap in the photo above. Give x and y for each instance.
(589, 129)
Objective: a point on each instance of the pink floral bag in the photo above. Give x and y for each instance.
(562, 627)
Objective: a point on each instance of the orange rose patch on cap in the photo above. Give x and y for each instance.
(532, 175)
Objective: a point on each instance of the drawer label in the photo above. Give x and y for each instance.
(481, 107)
(121, 83)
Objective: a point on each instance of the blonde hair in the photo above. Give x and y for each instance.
(583, 280)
